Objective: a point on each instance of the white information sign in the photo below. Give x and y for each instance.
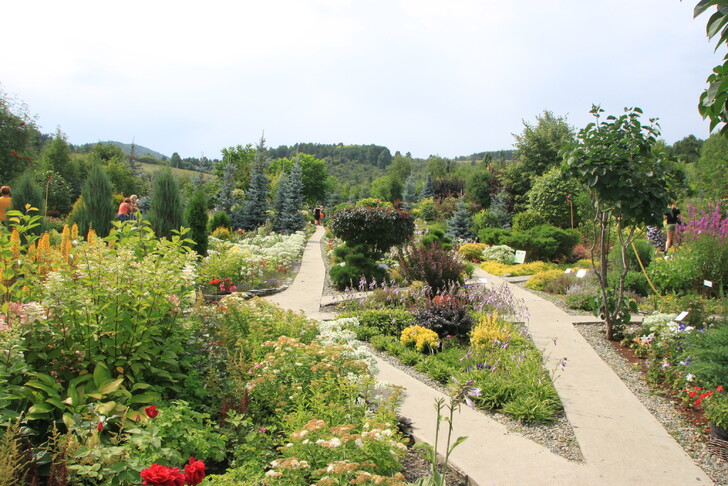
(520, 256)
(707, 283)
(568, 270)
(581, 273)
(681, 316)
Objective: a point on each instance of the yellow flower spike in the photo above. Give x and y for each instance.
(65, 243)
(91, 238)
(15, 243)
(74, 232)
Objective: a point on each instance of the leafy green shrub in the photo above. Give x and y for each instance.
(527, 220)
(538, 281)
(432, 264)
(389, 321)
(426, 209)
(678, 274)
(542, 242)
(633, 280)
(499, 253)
(644, 249)
(532, 409)
(712, 253)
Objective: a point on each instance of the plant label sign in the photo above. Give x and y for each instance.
(520, 256)
(681, 316)
(581, 273)
(483, 280)
(568, 270)
(707, 283)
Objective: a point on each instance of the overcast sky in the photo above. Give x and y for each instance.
(427, 77)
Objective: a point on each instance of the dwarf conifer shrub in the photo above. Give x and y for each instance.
(220, 219)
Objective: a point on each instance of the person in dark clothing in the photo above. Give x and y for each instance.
(672, 219)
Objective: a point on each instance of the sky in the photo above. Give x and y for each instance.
(443, 78)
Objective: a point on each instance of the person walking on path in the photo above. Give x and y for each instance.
(672, 219)
(318, 215)
(6, 202)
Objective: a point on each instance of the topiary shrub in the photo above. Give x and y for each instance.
(377, 228)
(432, 264)
(353, 267)
(436, 236)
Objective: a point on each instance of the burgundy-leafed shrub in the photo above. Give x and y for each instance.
(432, 264)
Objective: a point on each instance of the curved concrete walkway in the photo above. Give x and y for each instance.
(622, 443)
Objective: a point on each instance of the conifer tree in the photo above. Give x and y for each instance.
(98, 201)
(458, 226)
(165, 210)
(254, 211)
(196, 217)
(428, 190)
(409, 194)
(225, 198)
(279, 204)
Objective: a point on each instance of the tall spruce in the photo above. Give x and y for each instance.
(291, 218)
(196, 217)
(409, 194)
(428, 190)
(225, 198)
(458, 226)
(165, 210)
(98, 201)
(254, 211)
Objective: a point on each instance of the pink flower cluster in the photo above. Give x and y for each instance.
(710, 222)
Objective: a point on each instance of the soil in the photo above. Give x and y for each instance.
(415, 465)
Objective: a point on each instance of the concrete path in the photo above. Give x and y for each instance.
(622, 443)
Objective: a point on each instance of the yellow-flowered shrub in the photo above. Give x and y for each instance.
(538, 281)
(422, 338)
(489, 328)
(221, 233)
(472, 251)
(495, 268)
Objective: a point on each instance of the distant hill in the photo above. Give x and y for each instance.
(139, 150)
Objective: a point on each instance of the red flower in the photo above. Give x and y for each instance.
(240, 231)
(194, 472)
(100, 426)
(720, 389)
(158, 475)
(214, 281)
(151, 411)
